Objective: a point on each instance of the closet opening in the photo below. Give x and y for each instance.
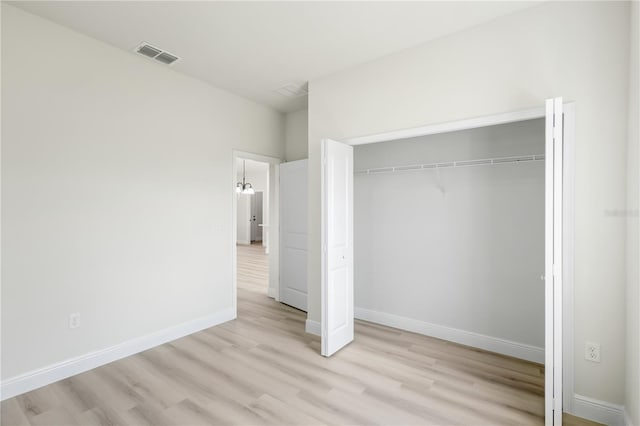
(461, 231)
(449, 237)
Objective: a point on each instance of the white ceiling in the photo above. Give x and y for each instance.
(254, 48)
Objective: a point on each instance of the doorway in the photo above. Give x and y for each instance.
(252, 244)
(255, 241)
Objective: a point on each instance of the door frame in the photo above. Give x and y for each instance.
(274, 223)
(568, 219)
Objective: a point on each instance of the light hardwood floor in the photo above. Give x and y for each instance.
(263, 369)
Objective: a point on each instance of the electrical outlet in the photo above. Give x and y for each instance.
(74, 320)
(592, 351)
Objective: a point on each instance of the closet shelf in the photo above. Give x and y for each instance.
(452, 164)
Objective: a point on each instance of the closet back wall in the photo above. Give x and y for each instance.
(465, 250)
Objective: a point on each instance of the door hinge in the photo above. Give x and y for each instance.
(556, 131)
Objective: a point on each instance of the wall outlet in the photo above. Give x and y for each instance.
(74, 320)
(592, 351)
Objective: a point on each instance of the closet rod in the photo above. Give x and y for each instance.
(452, 164)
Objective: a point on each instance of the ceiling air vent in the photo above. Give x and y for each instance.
(158, 54)
(293, 90)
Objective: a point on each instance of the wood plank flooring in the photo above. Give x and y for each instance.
(264, 369)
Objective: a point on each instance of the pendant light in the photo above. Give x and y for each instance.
(244, 187)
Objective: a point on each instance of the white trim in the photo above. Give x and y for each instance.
(627, 418)
(272, 292)
(488, 343)
(61, 370)
(450, 126)
(323, 253)
(568, 243)
(273, 231)
(312, 327)
(599, 411)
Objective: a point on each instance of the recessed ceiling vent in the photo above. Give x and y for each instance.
(294, 90)
(159, 55)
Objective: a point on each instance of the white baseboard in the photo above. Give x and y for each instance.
(61, 370)
(627, 419)
(600, 411)
(312, 327)
(271, 292)
(488, 343)
(243, 242)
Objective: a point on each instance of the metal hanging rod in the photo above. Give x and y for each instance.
(452, 164)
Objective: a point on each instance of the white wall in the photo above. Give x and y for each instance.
(243, 212)
(578, 50)
(259, 180)
(116, 192)
(296, 135)
(633, 231)
(464, 249)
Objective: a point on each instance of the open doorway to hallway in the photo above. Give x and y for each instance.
(252, 225)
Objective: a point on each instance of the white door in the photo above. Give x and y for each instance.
(553, 261)
(293, 233)
(256, 216)
(337, 246)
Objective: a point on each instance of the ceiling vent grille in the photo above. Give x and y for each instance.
(293, 90)
(159, 55)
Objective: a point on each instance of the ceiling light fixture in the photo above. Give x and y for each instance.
(244, 187)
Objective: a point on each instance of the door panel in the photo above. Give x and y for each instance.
(338, 294)
(257, 207)
(337, 246)
(554, 123)
(293, 233)
(256, 216)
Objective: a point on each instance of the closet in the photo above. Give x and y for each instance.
(449, 236)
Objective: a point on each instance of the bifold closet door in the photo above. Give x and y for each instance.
(293, 233)
(554, 124)
(337, 246)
